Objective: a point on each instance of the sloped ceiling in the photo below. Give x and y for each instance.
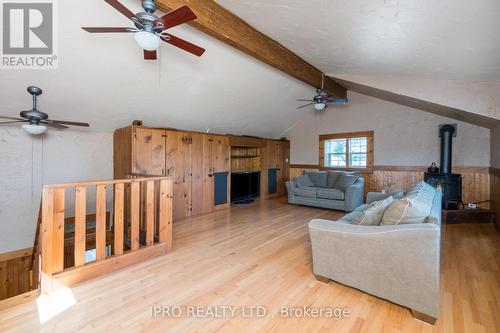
(103, 79)
(446, 51)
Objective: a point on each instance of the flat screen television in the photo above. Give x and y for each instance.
(245, 186)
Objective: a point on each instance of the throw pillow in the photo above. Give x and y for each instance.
(414, 208)
(333, 178)
(303, 181)
(345, 181)
(318, 178)
(373, 214)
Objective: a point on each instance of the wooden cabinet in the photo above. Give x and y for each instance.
(216, 163)
(149, 151)
(278, 166)
(192, 159)
(178, 164)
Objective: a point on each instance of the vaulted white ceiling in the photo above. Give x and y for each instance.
(446, 39)
(445, 51)
(103, 79)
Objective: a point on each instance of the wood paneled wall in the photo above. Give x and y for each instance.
(475, 180)
(495, 194)
(15, 273)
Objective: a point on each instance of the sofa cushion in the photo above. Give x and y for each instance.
(413, 208)
(353, 217)
(345, 181)
(330, 193)
(333, 178)
(318, 178)
(309, 192)
(372, 215)
(303, 181)
(361, 208)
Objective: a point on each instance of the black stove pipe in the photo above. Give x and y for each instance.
(446, 133)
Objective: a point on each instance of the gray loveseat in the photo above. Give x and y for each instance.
(327, 189)
(398, 262)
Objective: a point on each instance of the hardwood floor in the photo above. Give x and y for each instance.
(260, 256)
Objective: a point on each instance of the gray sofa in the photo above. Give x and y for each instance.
(327, 189)
(397, 262)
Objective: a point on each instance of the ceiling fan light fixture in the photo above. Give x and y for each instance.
(34, 129)
(147, 40)
(319, 106)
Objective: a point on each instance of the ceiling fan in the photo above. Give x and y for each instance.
(37, 119)
(150, 29)
(321, 100)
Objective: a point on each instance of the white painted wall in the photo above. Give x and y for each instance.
(27, 162)
(403, 136)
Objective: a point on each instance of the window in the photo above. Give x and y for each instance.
(346, 150)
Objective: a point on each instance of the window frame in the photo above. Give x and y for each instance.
(369, 135)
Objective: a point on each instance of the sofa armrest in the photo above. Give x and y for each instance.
(355, 195)
(396, 262)
(290, 188)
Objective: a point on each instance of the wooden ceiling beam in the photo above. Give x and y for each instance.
(223, 25)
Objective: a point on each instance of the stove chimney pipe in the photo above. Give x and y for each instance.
(446, 133)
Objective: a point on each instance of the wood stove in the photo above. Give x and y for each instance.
(450, 183)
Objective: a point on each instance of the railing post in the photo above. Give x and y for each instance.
(165, 232)
(58, 231)
(135, 199)
(100, 223)
(80, 224)
(150, 212)
(118, 225)
(46, 238)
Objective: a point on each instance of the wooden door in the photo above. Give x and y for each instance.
(208, 185)
(282, 164)
(197, 169)
(178, 166)
(221, 152)
(149, 151)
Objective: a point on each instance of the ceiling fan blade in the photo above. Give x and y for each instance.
(303, 106)
(183, 44)
(149, 55)
(71, 123)
(11, 118)
(105, 29)
(121, 8)
(55, 125)
(176, 17)
(337, 100)
(14, 121)
(304, 100)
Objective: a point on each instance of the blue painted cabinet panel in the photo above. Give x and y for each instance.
(272, 181)
(220, 188)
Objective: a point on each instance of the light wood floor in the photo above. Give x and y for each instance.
(260, 255)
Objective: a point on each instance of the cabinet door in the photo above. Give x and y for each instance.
(283, 166)
(208, 184)
(220, 153)
(149, 151)
(178, 166)
(197, 177)
(220, 165)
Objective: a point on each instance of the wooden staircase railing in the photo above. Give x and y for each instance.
(140, 206)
